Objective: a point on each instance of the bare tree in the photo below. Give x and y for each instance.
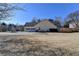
(6, 10)
(74, 16)
(57, 21)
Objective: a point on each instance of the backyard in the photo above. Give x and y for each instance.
(39, 44)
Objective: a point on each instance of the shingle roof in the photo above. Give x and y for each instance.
(46, 23)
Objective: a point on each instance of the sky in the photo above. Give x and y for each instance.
(42, 11)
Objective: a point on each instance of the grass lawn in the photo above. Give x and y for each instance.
(40, 44)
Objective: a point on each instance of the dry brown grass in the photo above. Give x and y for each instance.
(41, 44)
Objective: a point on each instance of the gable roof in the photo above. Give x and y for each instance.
(46, 23)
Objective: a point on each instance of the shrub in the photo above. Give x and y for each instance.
(66, 30)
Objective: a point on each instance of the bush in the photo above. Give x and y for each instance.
(76, 29)
(66, 30)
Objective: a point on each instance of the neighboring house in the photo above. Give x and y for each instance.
(3, 27)
(29, 27)
(44, 25)
(72, 25)
(14, 28)
(11, 27)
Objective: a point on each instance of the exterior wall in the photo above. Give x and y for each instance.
(72, 25)
(44, 28)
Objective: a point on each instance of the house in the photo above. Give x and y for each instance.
(72, 25)
(3, 27)
(29, 27)
(44, 25)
